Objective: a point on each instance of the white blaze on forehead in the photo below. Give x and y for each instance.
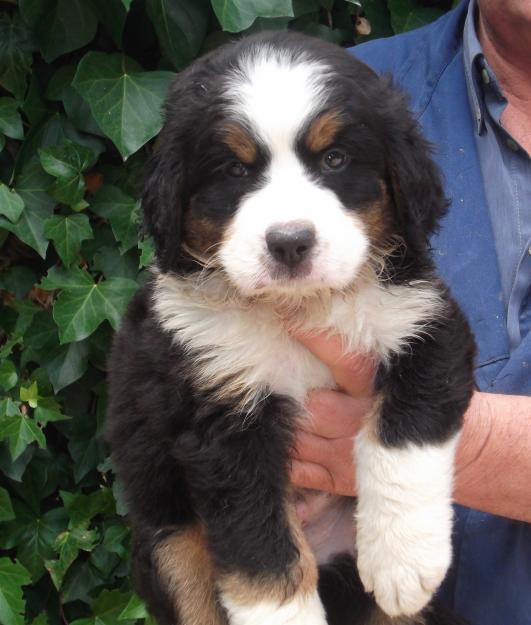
(277, 91)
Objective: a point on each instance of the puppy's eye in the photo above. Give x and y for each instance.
(235, 169)
(334, 160)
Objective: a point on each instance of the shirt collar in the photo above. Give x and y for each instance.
(477, 71)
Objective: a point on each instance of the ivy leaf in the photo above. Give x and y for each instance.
(29, 227)
(77, 110)
(107, 608)
(147, 249)
(47, 415)
(84, 304)
(68, 545)
(35, 535)
(67, 234)
(16, 47)
(60, 26)
(20, 431)
(237, 15)
(83, 508)
(407, 15)
(125, 101)
(12, 605)
(181, 27)
(112, 14)
(66, 363)
(10, 121)
(66, 163)
(6, 509)
(11, 204)
(30, 394)
(134, 609)
(123, 213)
(8, 375)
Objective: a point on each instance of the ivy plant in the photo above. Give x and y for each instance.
(81, 87)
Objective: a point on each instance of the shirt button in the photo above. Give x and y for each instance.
(512, 145)
(485, 76)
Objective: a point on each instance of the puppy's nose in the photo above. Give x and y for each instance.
(290, 243)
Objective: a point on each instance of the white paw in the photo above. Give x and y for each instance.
(403, 564)
(404, 521)
(297, 611)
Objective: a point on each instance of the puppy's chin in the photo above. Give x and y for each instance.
(284, 285)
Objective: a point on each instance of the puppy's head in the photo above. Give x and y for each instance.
(288, 165)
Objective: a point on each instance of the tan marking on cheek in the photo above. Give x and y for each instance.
(378, 220)
(187, 573)
(323, 131)
(241, 143)
(300, 579)
(201, 236)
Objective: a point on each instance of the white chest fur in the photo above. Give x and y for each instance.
(246, 349)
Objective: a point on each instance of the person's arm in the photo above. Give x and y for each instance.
(493, 464)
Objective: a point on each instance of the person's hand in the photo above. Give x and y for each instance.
(323, 455)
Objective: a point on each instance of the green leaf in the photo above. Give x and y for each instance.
(8, 375)
(10, 121)
(84, 304)
(67, 162)
(60, 26)
(112, 14)
(181, 27)
(16, 46)
(30, 394)
(14, 469)
(67, 234)
(125, 101)
(122, 212)
(77, 110)
(83, 508)
(20, 431)
(46, 415)
(68, 545)
(237, 15)
(66, 363)
(12, 605)
(408, 15)
(107, 608)
(34, 106)
(147, 248)
(11, 204)
(111, 263)
(30, 228)
(134, 609)
(35, 534)
(18, 279)
(6, 509)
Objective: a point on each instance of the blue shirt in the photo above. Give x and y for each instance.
(490, 579)
(504, 161)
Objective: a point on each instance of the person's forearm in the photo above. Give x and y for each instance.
(494, 457)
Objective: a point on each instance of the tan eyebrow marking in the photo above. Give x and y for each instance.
(240, 142)
(323, 130)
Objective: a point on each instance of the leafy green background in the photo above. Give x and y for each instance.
(81, 85)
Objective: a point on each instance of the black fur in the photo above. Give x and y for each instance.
(184, 456)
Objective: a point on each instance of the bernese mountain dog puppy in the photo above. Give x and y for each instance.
(290, 188)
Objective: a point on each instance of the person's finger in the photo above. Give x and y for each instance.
(353, 373)
(329, 453)
(333, 414)
(318, 477)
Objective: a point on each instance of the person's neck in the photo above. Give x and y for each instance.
(507, 48)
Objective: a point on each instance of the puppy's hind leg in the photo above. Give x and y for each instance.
(177, 578)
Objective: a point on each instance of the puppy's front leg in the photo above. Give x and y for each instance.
(405, 457)
(238, 479)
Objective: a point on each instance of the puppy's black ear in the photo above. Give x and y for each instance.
(415, 179)
(163, 197)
